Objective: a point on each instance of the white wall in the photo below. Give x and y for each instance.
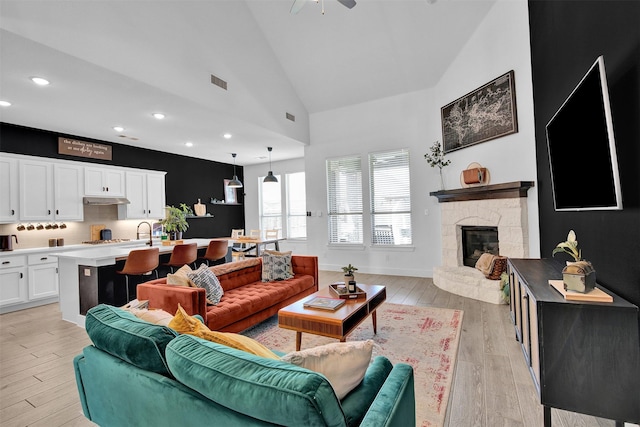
(412, 121)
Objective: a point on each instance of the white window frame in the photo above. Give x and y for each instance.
(345, 208)
(284, 216)
(390, 198)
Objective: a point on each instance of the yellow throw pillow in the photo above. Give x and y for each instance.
(185, 324)
(180, 277)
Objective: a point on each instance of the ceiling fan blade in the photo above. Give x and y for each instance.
(297, 5)
(348, 3)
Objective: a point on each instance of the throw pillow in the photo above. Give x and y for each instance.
(185, 324)
(343, 363)
(276, 266)
(204, 278)
(180, 278)
(157, 317)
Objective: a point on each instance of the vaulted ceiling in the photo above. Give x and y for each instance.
(114, 63)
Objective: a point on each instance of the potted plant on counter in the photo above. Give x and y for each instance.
(175, 221)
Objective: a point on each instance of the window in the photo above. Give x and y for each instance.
(271, 205)
(296, 206)
(344, 193)
(272, 208)
(390, 189)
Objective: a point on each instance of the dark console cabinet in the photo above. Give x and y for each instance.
(583, 356)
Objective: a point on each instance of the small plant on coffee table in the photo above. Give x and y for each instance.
(349, 278)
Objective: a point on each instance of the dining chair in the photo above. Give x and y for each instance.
(140, 262)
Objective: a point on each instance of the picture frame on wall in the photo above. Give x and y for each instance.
(230, 195)
(486, 113)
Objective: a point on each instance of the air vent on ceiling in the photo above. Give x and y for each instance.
(218, 82)
(291, 117)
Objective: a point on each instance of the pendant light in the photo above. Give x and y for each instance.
(270, 177)
(235, 182)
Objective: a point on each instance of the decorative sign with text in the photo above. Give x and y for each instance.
(74, 147)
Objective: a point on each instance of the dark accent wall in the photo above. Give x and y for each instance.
(188, 179)
(566, 38)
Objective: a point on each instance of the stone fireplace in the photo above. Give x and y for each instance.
(502, 207)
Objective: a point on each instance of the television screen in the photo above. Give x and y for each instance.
(582, 149)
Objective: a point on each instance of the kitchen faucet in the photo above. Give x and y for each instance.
(150, 242)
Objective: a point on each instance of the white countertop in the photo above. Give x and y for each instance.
(107, 254)
(80, 246)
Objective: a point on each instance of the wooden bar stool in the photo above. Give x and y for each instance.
(181, 255)
(216, 250)
(140, 262)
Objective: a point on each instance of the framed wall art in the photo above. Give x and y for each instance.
(484, 114)
(229, 193)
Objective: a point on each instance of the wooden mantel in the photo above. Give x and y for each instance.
(508, 190)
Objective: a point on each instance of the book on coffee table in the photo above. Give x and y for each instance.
(324, 303)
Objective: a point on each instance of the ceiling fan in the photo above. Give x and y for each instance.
(298, 4)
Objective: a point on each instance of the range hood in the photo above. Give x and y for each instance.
(105, 201)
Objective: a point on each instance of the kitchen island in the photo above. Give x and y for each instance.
(80, 268)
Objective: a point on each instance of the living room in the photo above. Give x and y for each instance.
(548, 43)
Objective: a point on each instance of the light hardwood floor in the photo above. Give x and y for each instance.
(492, 386)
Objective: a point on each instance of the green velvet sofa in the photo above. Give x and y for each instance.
(137, 373)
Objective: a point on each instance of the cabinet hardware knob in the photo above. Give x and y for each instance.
(57, 212)
(6, 262)
(44, 258)
(13, 212)
(48, 211)
(21, 276)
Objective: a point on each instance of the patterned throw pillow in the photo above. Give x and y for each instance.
(204, 278)
(276, 266)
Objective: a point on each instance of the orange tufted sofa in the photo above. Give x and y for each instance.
(246, 301)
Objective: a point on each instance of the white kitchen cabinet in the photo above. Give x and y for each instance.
(68, 189)
(146, 194)
(36, 190)
(43, 276)
(9, 190)
(104, 182)
(13, 280)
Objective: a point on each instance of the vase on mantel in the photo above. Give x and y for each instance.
(441, 181)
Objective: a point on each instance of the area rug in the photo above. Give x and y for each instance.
(424, 337)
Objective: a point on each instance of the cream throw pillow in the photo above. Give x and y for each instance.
(343, 363)
(180, 277)
(157, 317)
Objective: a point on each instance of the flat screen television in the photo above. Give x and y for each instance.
(582, 148)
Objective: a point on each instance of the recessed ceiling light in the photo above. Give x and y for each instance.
(40, 81)
(227, 136)
(118, 128)
(5, 104)
(158, 116)
(189, 144)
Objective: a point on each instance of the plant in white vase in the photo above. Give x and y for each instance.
(436, 159)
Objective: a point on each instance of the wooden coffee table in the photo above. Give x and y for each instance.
(334, 324)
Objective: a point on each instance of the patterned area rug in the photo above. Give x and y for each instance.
(424, 337)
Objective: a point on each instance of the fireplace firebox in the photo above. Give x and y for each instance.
(477, 241)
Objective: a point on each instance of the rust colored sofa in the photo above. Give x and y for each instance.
(247, 299)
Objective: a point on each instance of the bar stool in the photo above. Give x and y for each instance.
(216, 250)
(140, 262)
(181, 255)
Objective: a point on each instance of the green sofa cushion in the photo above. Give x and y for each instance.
(128, 338)
(266, 389)
(356, 404)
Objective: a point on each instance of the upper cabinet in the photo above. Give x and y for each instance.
(104, 182)
(36, 190)
(68, 188)
(50, 191)
(9, 190)
(146, 194)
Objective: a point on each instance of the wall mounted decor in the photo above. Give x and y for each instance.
(486, 113)
(474, 175)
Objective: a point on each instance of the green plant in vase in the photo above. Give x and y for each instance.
(436, 160)
(349, 279)
(175, 221)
